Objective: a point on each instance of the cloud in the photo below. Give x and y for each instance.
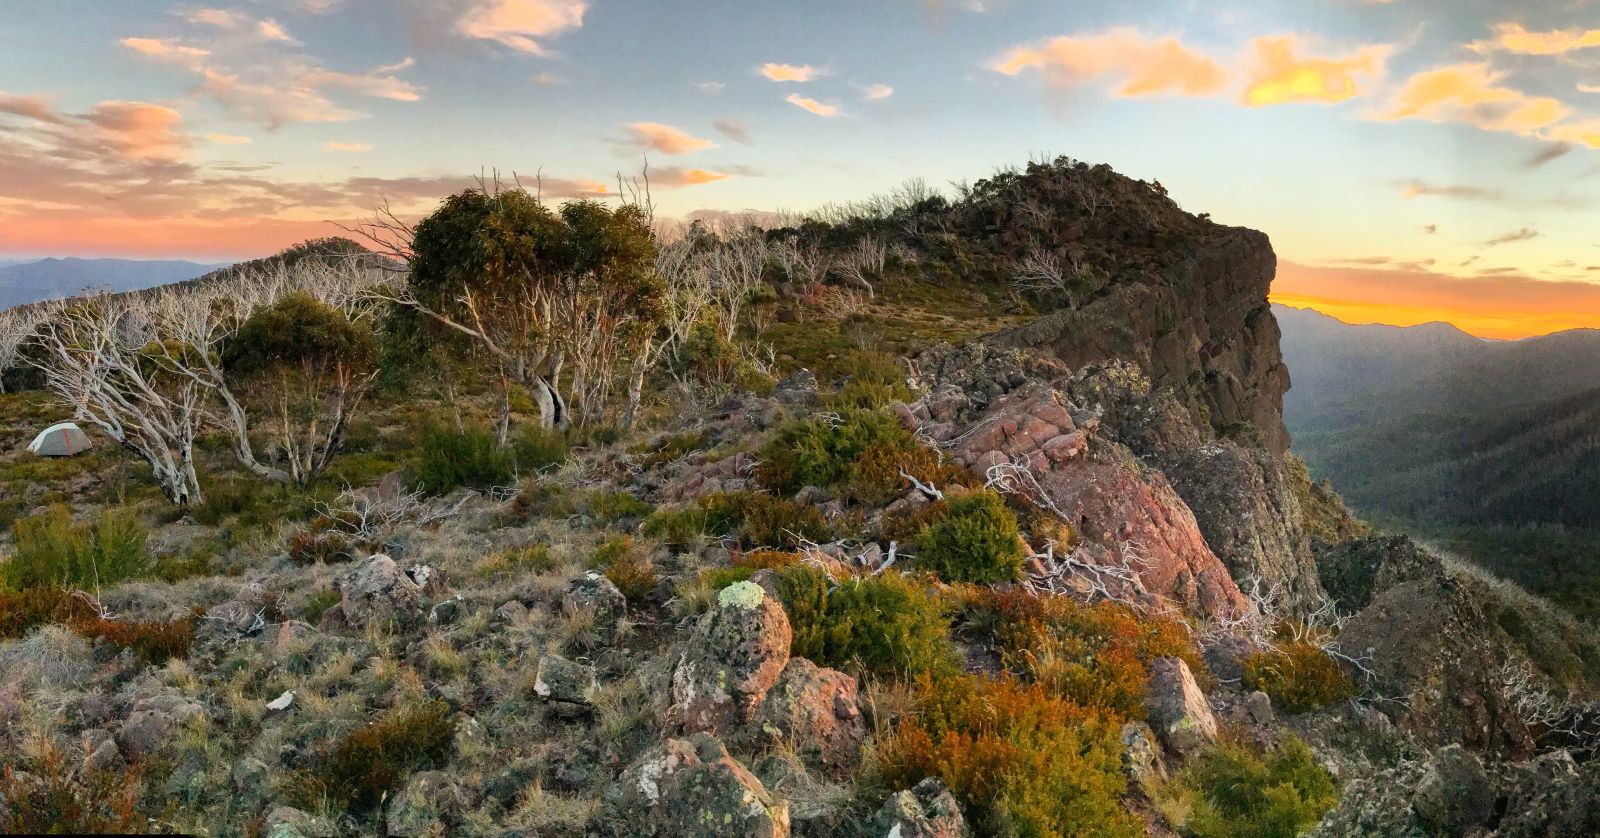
(1280, 76)
(1473, 94)
(733, 129)
(155, 48)
(876, 92)
(546, 79)
(521, 24)
(1496, 305)
(33, 107)
(1419, 189)
(672, 176)
(140, 129)
(1140, 64)
(355, 148)
(811, 105)
(1521, 235)
(666, 139)
(1513, 38)
(228, 139)
(1551, 151)
(1588, 88)
(790, 72)
(271, 88)
(1430, 229)
(1586, 133)
(710, 88)
(237, 22)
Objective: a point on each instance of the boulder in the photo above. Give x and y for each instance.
(1141, 757)
(1259, 705)
(927, 811)
(692, 787)
(380, 593)
(1178, 711)
(814, 710)
(425, 807)
(1455, 794)
(561, 680)
(734, 656)
(100, 751)
(593, 594)
(155, 719)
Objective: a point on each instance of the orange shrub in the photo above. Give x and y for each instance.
(23, 611)
(1095, 655)
(153, 642)
(874, 477)
(1298, 675)
(1021, 759)
(67, 797)
(633, 574)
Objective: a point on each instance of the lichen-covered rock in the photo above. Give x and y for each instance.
(734, 656)
(814, 710)
(1141, 757)
(692, 787)
(425, 807)
(1455, 794)
(927, 811)
(289, 822)
(380, 593)
(559, 679)
(593, 594)
(1177, 708)
(155, 719)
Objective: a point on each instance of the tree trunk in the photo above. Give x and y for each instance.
(641, 365)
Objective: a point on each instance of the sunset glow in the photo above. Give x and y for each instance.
(1412, 160)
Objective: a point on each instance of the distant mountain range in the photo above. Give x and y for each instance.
(1493, 447)
(29, 282)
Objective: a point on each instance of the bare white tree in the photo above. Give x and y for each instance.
(802, 262)
(866, 259)
(17, 327)
(96, 354)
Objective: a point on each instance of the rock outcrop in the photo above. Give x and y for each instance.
(1177, 708)
(692, 787)
(815, 711)
(380, 593)
(735, 655)
(927, 811)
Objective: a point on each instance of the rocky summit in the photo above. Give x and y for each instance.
(943, 516)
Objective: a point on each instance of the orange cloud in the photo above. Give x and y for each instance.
(167, 51)
(876, 92)
(667, 139)
(356, 148)
(789, 72)
(140, 129)
(672, 176)
(228, 139)
(1473, 94)
(1279, 76)
(811, 105)
(1144, 65)
(1513, 38)
(1500, 305)
(521, 24)
(1585, 133)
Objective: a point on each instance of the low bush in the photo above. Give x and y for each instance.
(673, 448)
(1298, 675)
(52, 550)
(309, 547)
(153, 642)
(369, 763)
(888, 624)
(977, 540)
(1020, 759)
(1094, 655)
(764, 559)
(758, 520)
(536, 449)
(873, 380)
(633, 574)
(821, 450)
(877, 476)
(23, 611)
(448, 459)
(610, 507)
(318, 603)
(524, 558)
(1235, 792)
(50, 794)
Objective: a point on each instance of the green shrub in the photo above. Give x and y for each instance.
(318, 603)
(1240, 794)
(369, 763)
(448, 459)
(1298, 675)
(758, 520)
(52, 550)
(873, 380)
(633, 574)
(888, 624)
(535, 449)
(819, 451)
(976, 541)
(609, 507)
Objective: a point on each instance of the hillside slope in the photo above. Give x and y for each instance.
(31, 282)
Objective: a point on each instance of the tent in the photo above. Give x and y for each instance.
(60, 440)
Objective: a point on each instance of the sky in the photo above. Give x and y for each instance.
(1412, 160)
